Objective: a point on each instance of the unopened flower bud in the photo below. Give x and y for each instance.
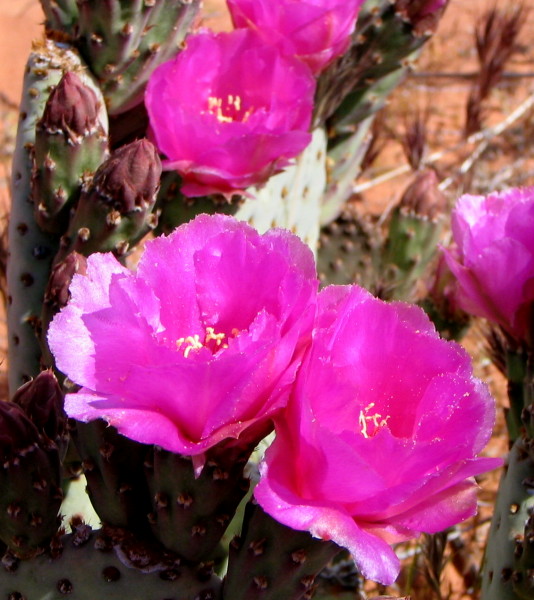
(423, 196)
(42, 401)
(72, 108)
(57, 292)
(17, 432)
(424, 15)
(129, 179)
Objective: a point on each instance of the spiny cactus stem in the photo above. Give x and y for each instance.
(271, 561)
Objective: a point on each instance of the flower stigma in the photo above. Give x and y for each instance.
(375, 421)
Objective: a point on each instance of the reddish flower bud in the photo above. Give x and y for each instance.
(424, 15)
(130, 177)
(423, 197)
(17, 432)
(57, 292)
(72, 108)
(42, 401)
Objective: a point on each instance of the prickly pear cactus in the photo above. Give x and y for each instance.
(349, 251)
(115, 207)
(414, 231)
(30, 478)
(113, 467)
(350, 92)
(270, 561)
(70, 143)
(105, 564)
(124, 41)
(61, 15)
(31, 249)
(190, 512)
(292, 198)
(508, 564)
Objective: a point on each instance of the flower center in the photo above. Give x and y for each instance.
(229, 110)
(370, 424)
(212, 340)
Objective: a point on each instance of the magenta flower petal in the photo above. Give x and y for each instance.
(229, 111)
(315, 31)
(216, 315)
(381, 432)
(374, 557)
(493, 259)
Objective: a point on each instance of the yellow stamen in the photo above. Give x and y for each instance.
(218, 338)
(232, 105)
(192, 341)
(376, 420)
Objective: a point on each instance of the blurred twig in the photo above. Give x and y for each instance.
(495, 42)
(480, 137)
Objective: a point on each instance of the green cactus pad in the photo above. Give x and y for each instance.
(61, 15)
(114, 468)
(292, 198)
(191, 511)
(70, 143)
(31, 250)
(349, 251)
(123, 41)
(105, 565)
(271, 561)
(508, 559)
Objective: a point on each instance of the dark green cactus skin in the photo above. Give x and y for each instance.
(508, 569)
(190, 514)
(31, 250)
(61, 15)
(113, 468)
(30, 500)
(508, 563)
(123, 41)
(62, 155)
(105, 565)
(271, 561)
(349, 251)
(30, 480)
(174, 208)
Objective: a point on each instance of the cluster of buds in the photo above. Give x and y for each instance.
(33, 441)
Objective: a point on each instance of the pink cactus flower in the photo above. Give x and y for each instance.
(200, 345)
(315, 31)
(493, 259)
(379, 438)
(229, 111)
